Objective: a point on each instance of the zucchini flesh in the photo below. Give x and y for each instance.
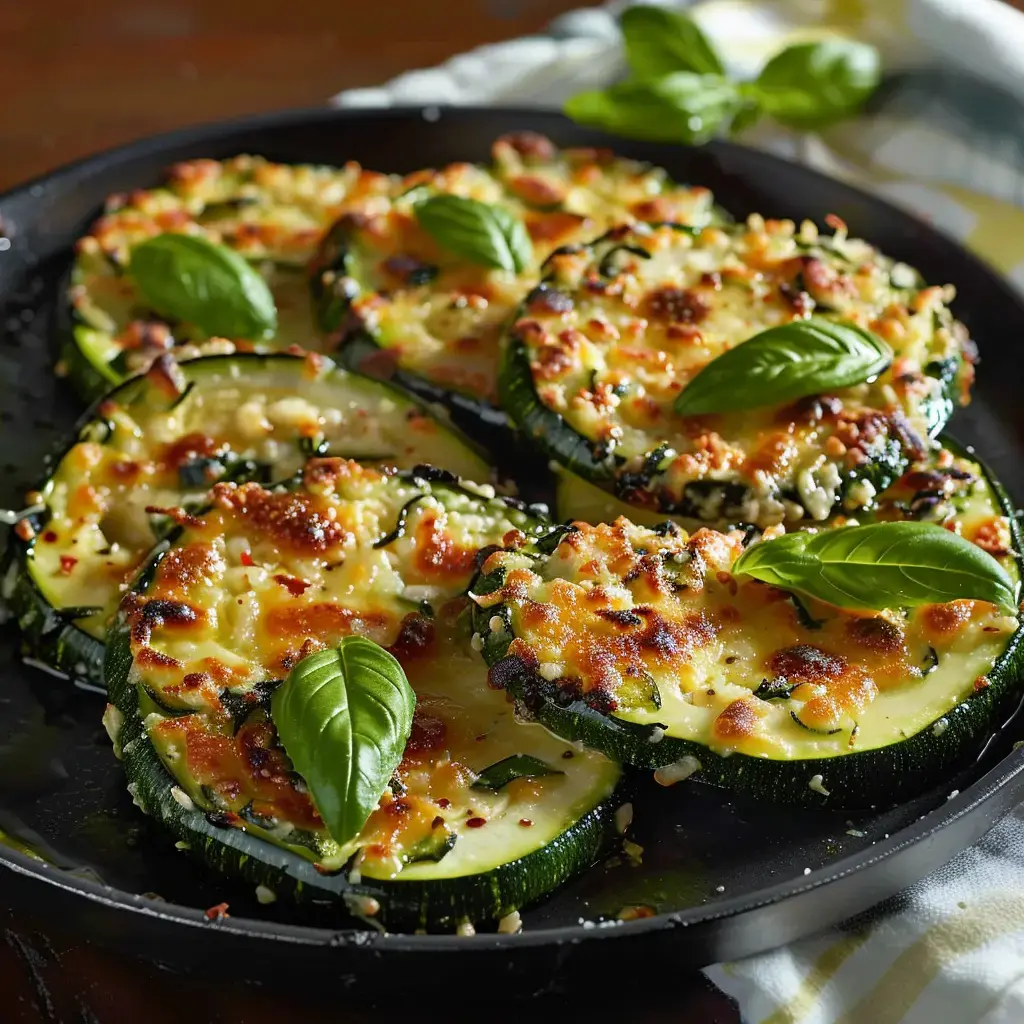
(272, 214)
(791, 700)
(437, 318)
(160, 441)
(597, 356)
(196, 655)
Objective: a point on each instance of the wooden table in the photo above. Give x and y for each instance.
(77, 76)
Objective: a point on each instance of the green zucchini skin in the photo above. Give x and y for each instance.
(90, 380)
(437, 905)
(543, 426)
(880, 777)
(47, 636)
(360, 353)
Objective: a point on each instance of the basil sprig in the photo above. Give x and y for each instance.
(682, 107)
(803, 357)
(679, 91)
(344, 716)
(483, 233)
(881, 565)
(809, 85)
(518, 766)
(190, 278)
(659, 42)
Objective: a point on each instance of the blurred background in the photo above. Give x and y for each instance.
(78, 77)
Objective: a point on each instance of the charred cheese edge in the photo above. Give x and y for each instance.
(266, 575)
(272, 214)
(161, 441)
(599, 352)
(640, 642)
(437, 317)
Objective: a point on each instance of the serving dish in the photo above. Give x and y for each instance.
(719, 901)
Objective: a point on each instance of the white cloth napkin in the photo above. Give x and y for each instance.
(946, 141)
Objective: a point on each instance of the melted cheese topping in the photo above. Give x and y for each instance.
(266, 576)
(622, 326)
(272, 214)
(650, 626)
(440, 316)
(239, 418)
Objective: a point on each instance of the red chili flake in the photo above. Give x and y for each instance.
(981, 683)
(525, 822)
(437, 822)
(444, 802)
(50, 537)
(67, 563)
(294, 587)
(476, 823)
(217, 913)
(835, 222)
(23, 530)
(246, 558)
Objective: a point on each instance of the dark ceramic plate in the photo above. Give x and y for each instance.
(728, 878)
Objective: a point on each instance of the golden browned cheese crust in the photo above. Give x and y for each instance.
(621, 327)
(652, 626)
(167, 437)
(264, 578)
(272, 214)
(439, 315)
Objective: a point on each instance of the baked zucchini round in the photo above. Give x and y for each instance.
(273, 215)
(402, 303)
(640, 643)
(161, 440)
(600, 352)
(265, 576)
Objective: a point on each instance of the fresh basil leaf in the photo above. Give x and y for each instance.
(190, 278)
(803, 357)
(881, 565)
(681, 107)
(343, 716)
(484, 233)
(813, 84)
(518, 766)
(659, 41)
(748, 114)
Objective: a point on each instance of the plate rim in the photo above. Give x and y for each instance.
(1003, 783)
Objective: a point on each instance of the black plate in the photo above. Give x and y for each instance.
(730, 878)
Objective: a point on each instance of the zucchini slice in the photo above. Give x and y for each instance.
(601, 349)
(403, 304)
(242, 591)
(272, 214)
(161, 440)
(640, 643)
